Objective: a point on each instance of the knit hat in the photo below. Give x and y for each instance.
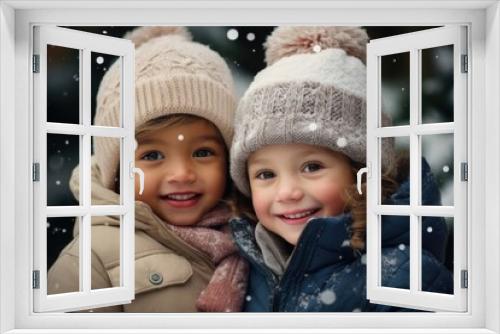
(313, 91)
(174, 75)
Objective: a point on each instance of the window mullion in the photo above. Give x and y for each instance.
(86, 231)
(414, 170)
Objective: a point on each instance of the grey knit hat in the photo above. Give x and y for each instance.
(313, 91)
(174, 75)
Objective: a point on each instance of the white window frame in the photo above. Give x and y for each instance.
(16, 20)
(414, 43)
(85, 43)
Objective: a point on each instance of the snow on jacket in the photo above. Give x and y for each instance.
(323, 274)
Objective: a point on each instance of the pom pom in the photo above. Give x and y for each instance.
(143, 34)
(286, 41)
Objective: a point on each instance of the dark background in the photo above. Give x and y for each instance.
(245, 57)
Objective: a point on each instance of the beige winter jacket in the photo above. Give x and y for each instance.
(169, 273)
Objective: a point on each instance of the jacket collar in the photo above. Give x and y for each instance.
(327, 240)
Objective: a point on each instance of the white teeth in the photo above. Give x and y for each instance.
(181, 197)
(299, 215)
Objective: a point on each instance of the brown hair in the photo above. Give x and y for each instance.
(356, 203)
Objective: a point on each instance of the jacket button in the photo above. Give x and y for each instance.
(155, 278)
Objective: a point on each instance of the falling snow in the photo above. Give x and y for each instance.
(327, 297)
(341, 142)
(248, 298)
(66, 142)
(429, 229)
(250, 36)
(346, 243)
(99, 60)
(363, 259)
(317, 48)
(58, 182)
(313, 127)
(76, 77)
(232, 34)
(104, 32)
(402, 247)
(394, 60)
(446, 169)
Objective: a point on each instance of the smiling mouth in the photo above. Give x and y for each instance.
(182, 200)
(298, 217)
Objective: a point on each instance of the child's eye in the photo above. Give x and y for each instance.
(312, 167)
(152, 156)
(264, 175)
(203, 153)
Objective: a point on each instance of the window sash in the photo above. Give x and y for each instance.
(86, 297)
(413, 43)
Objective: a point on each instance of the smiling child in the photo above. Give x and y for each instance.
(185, 258)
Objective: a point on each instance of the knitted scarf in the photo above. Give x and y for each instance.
(226, 290)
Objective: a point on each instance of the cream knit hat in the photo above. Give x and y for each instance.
(173, 76)
(312, 92)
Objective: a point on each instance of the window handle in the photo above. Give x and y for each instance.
(359, 176)
(138, 171)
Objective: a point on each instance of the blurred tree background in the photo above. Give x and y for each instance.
(241, 47)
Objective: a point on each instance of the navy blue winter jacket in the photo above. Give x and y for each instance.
(324, 274)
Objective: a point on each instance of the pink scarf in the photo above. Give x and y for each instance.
(226, 290)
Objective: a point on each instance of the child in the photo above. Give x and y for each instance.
(185, 258)
(300, 138)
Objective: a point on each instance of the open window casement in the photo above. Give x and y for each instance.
(78, 129)
(423, 133)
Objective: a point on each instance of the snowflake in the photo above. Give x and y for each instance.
(232, 34)
(341, 142)
(327, 297)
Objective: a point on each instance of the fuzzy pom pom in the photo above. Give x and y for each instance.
(286, 41)
(143, 34)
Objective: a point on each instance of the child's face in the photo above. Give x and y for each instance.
(294, 182)
(185, 168)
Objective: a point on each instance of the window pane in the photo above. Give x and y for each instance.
(437, 239)
(100, 65)
(105, 251)
(395, 76)
(437, 84)
(395, 240)
(63, 85)
(64, 276)
(62, 157)
(107, 145)
(437, 158)
(395, 164)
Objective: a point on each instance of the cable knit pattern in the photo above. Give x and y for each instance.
(309, 98)
(173, 75)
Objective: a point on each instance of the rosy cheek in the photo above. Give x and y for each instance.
(260, 204)
(331, 198)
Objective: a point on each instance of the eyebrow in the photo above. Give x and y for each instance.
(148, 141)
(301, 154)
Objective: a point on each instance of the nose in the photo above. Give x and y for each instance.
(180, 171)
(289, 190)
